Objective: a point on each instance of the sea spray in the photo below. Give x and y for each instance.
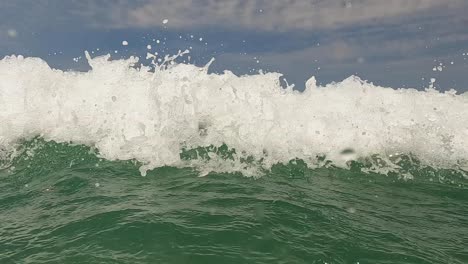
(152, 113)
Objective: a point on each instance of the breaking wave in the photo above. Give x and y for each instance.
(176, 114)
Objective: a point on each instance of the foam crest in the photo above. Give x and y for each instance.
(149, 114)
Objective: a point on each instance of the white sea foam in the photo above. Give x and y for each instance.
(129, 113)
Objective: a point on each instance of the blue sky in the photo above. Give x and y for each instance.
(395, 43)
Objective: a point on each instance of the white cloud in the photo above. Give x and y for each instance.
(269, 15)
(262, 15)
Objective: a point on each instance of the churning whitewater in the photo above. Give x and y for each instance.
(151, 114)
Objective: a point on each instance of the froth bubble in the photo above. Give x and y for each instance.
(124, 43)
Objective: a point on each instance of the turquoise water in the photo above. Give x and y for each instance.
(65, 205)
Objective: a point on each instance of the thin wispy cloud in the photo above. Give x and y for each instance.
(270, 15)
(263, 15)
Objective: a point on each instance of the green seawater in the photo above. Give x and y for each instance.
(65, 205)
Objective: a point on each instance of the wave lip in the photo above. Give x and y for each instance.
(152, 114)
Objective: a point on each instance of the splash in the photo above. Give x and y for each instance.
(151, 114)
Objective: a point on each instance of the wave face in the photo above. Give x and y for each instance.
(152, 115)
(65, 199)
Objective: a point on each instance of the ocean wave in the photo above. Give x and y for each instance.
(152, 114)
